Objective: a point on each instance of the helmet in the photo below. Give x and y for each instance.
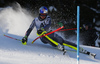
(43, 10)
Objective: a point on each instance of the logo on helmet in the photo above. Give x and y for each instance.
(43, 10)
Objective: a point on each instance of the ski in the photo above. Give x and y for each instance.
(92, 55)
(87, 52)
(83, 52)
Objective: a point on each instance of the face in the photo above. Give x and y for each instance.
(43, 16)
(86, 27)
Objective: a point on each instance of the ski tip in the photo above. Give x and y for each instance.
(93, 55)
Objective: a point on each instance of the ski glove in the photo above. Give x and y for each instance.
(60, 24)
(40, 30)
(24, 40)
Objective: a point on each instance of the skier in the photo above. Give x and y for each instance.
(89, 34)
(43, 23)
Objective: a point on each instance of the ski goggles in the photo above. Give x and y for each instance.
(43, 14)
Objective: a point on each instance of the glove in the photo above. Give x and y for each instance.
(60, 24)
(39, 31)
(42, 28)
(24, 40)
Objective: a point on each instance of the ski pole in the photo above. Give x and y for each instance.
(69, 29)
(53, 32)
(42, 35)
(12, 38)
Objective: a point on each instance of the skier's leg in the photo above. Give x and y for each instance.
(45, 41)
(70, 44)
(62, 42)
(74, 46)
(56, 40)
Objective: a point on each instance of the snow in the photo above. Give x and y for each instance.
(15, 24)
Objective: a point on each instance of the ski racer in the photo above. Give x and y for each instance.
(43, 23)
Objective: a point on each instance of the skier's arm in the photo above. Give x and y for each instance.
(30, 28)
(24, 39)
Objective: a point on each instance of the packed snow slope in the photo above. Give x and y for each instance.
(15, 23)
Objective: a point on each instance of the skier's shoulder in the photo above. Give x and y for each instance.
(49, 17)
(35, 19)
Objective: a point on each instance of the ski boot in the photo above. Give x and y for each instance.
(61, 47)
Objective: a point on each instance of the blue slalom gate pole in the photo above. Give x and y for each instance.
(78, 32)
